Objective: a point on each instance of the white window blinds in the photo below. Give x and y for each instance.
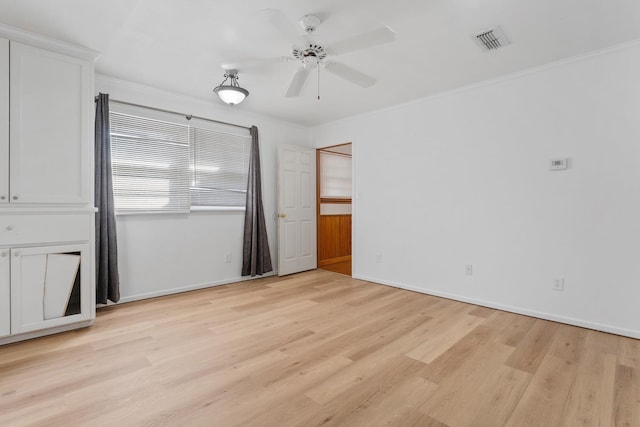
(219, 168)
(150, 162)
(335, 175)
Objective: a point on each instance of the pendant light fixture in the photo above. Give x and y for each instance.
(231, 93)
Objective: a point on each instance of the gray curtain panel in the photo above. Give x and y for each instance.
(107, 278)
(256, 258)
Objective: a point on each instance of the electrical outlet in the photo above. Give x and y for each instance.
(468, 270)
(227, 257)
(379, 258)
(558, 284)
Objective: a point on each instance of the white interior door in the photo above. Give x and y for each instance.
(296, 209)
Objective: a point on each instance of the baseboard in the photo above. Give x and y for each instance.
(512, 309)
(171, 291)
(44, 332)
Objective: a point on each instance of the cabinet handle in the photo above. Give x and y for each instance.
(3, 254)
(3, 197)
(9, 227)
(16, 253)
(15, 197)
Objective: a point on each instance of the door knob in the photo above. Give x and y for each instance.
(283, 215)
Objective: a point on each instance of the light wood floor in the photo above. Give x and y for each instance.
(319, 349)
(343, 267)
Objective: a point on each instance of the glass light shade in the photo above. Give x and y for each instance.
(231, 95)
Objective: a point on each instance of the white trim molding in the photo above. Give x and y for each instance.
(26, 37)
(165, 292)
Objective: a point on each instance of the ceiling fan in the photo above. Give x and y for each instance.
(312, 54)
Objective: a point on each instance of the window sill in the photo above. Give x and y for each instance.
(193, 209)
(217, 209)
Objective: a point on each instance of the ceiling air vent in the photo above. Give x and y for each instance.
(492, 39)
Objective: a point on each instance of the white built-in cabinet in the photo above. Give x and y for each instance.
(4, 121)
(46, 181)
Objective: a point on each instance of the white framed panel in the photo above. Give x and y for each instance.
(50, 145)
(42, 280)
(4, 121)
(44, 229)
(5, 292)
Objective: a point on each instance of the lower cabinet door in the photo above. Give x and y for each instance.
(5, 293)
(50, 286)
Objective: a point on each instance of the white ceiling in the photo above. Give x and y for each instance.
(183, 45)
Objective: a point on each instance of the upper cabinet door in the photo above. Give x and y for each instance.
(4, 121)
(49, 129)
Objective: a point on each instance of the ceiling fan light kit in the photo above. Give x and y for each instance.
(231, 93)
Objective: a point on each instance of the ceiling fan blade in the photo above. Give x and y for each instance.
(349, 74)
(363, 41)
(297, 82)
(281, 23)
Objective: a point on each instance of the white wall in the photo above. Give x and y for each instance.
(463, 178)
(160, 254)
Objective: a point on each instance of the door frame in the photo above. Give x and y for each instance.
(327, 148)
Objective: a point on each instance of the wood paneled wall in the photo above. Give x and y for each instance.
(334, 238)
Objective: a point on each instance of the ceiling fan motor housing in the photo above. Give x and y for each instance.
(310, 54)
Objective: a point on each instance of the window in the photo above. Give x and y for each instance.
(165, 167)
(220, 167)
(335, 176)
(150, 163)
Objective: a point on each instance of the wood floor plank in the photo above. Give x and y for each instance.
(540, 405)
(400, 405)
(629, 351)
(569, 343)
(534, 346)
(319, 348)
(462, 351)
(590, 399)
(626, 405)
(351, 405)
(510, 328)
(444, 338)
(473, 387)
(482, 312)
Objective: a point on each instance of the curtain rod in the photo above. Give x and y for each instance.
(187, 116)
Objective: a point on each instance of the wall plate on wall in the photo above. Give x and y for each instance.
(559, 164)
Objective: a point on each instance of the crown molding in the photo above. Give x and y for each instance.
(33, 39)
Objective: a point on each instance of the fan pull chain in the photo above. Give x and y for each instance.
(318, 81)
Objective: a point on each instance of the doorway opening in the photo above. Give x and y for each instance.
(334, 182)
